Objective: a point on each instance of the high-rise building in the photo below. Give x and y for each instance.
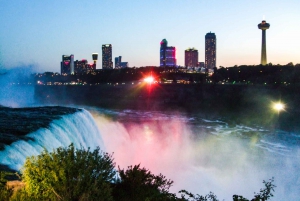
(118, 61)
(191, 57)
(210, 50)
(107, 56)
(263, 26)
(67, 64)
(167, 54)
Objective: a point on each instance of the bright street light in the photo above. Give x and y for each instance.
(278, 106)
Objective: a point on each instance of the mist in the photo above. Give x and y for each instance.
(17, 89)
(200, 162)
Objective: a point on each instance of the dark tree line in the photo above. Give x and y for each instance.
(269, 74)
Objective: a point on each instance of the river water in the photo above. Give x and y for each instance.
(200, 155)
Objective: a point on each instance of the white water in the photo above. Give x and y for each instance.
(78, 128)
(199, 156)
(204, 156)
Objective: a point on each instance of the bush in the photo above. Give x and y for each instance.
(137, 184)
(69, 174)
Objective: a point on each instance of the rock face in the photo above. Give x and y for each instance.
(15, 123)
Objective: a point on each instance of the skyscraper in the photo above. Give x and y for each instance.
(107, 56)
(210, 50)
(167, 54)
(67, 64)
(191, 57)
(263, 26)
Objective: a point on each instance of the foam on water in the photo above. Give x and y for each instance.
(203, 155)
(78, 128)
(199, 155)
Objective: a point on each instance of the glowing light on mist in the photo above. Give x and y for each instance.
(149, 80)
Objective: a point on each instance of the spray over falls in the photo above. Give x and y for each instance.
(200, 155)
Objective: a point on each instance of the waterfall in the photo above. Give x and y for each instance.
(79, 129)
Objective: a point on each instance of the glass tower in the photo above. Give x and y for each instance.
(210, 50)
(107, 56)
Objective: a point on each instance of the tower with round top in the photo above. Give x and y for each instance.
(263, 26)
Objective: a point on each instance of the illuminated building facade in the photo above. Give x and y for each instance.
(263, 26)
(82, 66)
(201, 64)
(167, 54)
(67, 64)
(107, 56)
(191, 57)
(210, 50)
(124, 65)
(95, 58)
(118, 61)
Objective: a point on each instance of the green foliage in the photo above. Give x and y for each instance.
(192, 197)
(137, 184)
(69, 174)
(263, 195)
(5, 193)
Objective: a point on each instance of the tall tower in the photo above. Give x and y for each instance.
(210, 50)
(163, 49)
(167, 54)
(95, 58)
(107, 56)
(263, 26)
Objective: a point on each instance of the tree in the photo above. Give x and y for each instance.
(5, 193)
(137, 184)
(69, 174)
(192, 197)
(263, 195)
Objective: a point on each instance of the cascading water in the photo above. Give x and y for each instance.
(198, 155)
(202, 156)
(78, 128)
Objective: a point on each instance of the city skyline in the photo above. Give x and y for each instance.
(38, 33)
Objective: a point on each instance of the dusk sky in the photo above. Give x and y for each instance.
(39, 32)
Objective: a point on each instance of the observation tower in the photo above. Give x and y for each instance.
(95, 58)
(263, 26)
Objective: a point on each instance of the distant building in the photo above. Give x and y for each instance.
(95, 58)
(118, 61)
(107, 56)
(210, 50)
(167, 54)
(201, 64)
(82, 66)
(191, 57)
(124, 65)
(67, 64)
